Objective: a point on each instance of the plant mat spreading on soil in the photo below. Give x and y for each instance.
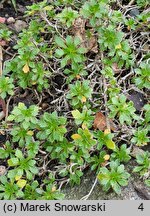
(74, 95)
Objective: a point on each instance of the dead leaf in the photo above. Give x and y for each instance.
(26, 68)
(100, 122)
(83, 100)
(86, 36)
(106, 157)
(115, 68)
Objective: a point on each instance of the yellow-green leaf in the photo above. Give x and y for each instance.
(21, 183)
(110, 144)
(76, 114)
(76, 136)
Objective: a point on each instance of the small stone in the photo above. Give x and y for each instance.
(2, 19)
(2, 170)
(10, 20)
(134, 12)
(20, 25)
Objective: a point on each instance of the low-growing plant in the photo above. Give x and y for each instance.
(9, 189)
(75, 72)
(143, 161)
(21, 136)
(6, 86)
(119, 107)
(105, 139)
(114, 177)
(69, 50)
(85, 117)
(79, 93)
(140, 137)
(52, 127)
(67, 16)
(97, 161)
(25, 116)
(122, 154)
(6, 151)
(21, 166)
(32, 191)
(84, 140)
(143, 77)
(5, 33)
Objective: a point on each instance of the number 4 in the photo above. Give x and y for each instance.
(141, 207)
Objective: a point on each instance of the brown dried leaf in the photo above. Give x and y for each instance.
(115, 68)
(100, 122)
(89, 42)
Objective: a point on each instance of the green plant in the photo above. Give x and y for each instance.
(9, 189)
(25, 116)
(67, 16)
(6, 151)
(26, 68)
(109, 38)
(85, 117)
(147, 112)
(32, 191)
(142, 3)
(21, 136)
(143, 161)
(70, 50)
(95, 10)
(104, 139)
(5, 34)
(75, 72)
(122, 154)
(75, 176)
(143, 77)
(6, 86)
(114, 177)
(79, 93)
(51, 193)
(14, 4)
(119, 107)
(38, 7)
(147, 182)
(140, 137)
(97, 161)
(52, 127)
(22, 165)
(83, 140)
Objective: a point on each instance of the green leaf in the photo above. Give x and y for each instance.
(13, 162)
(110, 144)
(19, 154)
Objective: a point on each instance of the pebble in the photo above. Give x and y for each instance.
(20, 25)
(3, 170)
(10, 20)
(134, 12)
